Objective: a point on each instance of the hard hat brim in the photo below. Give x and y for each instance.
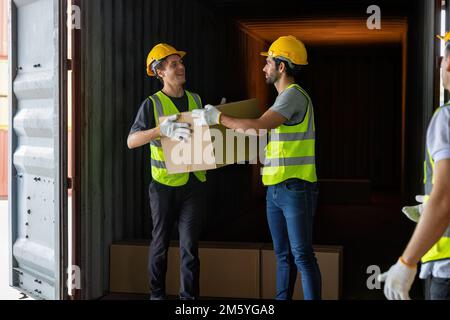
(180, 53)
(149, 68)
(266, 54)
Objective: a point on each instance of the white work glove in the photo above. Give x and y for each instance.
(173, 130)
(414, 212)
(398, 281)
(206, 117)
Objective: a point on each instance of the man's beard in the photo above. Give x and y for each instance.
(272, 78)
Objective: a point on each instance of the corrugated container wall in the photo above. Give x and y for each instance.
(3, 99)
(116, 38)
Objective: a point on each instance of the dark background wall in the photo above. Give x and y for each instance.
(357, 97)
(356, 92)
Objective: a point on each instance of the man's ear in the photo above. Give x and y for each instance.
(160, 73)
(282, 66)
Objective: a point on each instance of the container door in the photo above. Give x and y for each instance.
(38, 157)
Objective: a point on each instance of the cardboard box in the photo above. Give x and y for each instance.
(227, 270)
(213, 147)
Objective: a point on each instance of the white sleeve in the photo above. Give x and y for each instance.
(438, 137)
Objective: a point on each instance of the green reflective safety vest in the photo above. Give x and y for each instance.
(290, 152)
(163, 106)
(441, 250)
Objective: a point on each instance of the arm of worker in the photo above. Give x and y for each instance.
(141, 138)
(269, 120)
(436, 215)
(432, 225)
(290, 106)
(210, 115)
(145, 130)
(177, 131)
(435, 218)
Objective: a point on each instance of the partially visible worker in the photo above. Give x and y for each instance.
(430, 242)
(174, 198)
(290, 170)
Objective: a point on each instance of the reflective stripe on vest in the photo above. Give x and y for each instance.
(290, 152)
(441, 250)
(163, 106)
(156, 143)
(298, 161)
(428, 172)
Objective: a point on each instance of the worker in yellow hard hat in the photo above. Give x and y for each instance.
(430, 242)
(289, 49)
(173, 197)
(290, 168)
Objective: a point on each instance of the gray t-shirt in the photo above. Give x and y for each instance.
(438, 142)
(291, 104)
(438, 135)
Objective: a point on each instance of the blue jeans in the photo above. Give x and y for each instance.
(291, 207)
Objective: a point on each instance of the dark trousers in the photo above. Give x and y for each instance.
(437, 288)
(170, 205)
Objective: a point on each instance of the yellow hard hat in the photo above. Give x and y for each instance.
(445, 38)
(288, 47)
(159, 52)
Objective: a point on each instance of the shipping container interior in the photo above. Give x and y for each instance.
(367, 87)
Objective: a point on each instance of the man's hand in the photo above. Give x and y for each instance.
(175, 131)
(206, 117)
(398, 281)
